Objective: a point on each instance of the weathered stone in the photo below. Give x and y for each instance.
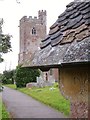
(85, 11)
(45, 43)
(80, 28)
(69, 13)
(82, 35)
(78, 24)
(64, 28)
(55, 29)
(87, 5)
(30, 85)
(54, 25)
(67, 32)
(82, 4)
(77, 52)
(68, 39)
(63, 14)
(47, 37)
(56, 41)
(75, 15)
(61, 18)
(70, 4)
(73, 22)
(86, 16)
(56, 35)
(63, 23)
(87, 22)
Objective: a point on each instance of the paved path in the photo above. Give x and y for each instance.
(23, 106)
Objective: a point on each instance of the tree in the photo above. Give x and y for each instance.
(8, 77)
(25, 75)
(5, 44)
(0, 77)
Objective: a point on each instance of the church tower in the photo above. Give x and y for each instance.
(42, 16)
(32, 31)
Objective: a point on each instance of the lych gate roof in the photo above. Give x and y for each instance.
(68, 39)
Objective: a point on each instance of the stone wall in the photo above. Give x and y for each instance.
(30, 41)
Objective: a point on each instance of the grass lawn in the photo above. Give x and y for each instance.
(3, 112)
(0, 109)
(49, 97)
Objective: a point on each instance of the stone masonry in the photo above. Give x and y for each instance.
(32, 31)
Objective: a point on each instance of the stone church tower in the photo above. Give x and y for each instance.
(32, 31)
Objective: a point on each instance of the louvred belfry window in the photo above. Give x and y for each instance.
(33, 31)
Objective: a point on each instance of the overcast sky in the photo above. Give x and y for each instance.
(12, 12)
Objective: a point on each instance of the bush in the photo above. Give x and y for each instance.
(25, 75)
(7, 77)
(56, 84)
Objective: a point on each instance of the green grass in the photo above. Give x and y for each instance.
(3, 112)
(0, 109)
(11, 86)
(45, 95)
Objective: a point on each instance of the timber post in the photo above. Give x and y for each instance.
(74, 84)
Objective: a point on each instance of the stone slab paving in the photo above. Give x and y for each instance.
(23, 106)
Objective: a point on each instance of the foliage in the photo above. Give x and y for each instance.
(3, 112)
(5, 44)
(0, 108)
(8, 77)
(49, 97)
(56, 84)
(25, 75)
(0, 77)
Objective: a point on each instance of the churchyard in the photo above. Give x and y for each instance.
(48, 95)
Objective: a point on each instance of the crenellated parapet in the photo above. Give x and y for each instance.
(41, 19)
(42, 15)
(42, 12)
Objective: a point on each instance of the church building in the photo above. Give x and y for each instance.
(32, 32)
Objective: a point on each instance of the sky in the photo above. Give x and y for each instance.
(12, 12)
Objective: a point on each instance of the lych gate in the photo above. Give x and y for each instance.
(67, 48)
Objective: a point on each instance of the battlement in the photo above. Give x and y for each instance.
(35, 17)
(23, 19)
(42, 12)
(40, 19)
(26, 18)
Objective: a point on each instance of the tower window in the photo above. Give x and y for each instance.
(33, 31)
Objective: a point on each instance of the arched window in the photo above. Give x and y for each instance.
(33, 31)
